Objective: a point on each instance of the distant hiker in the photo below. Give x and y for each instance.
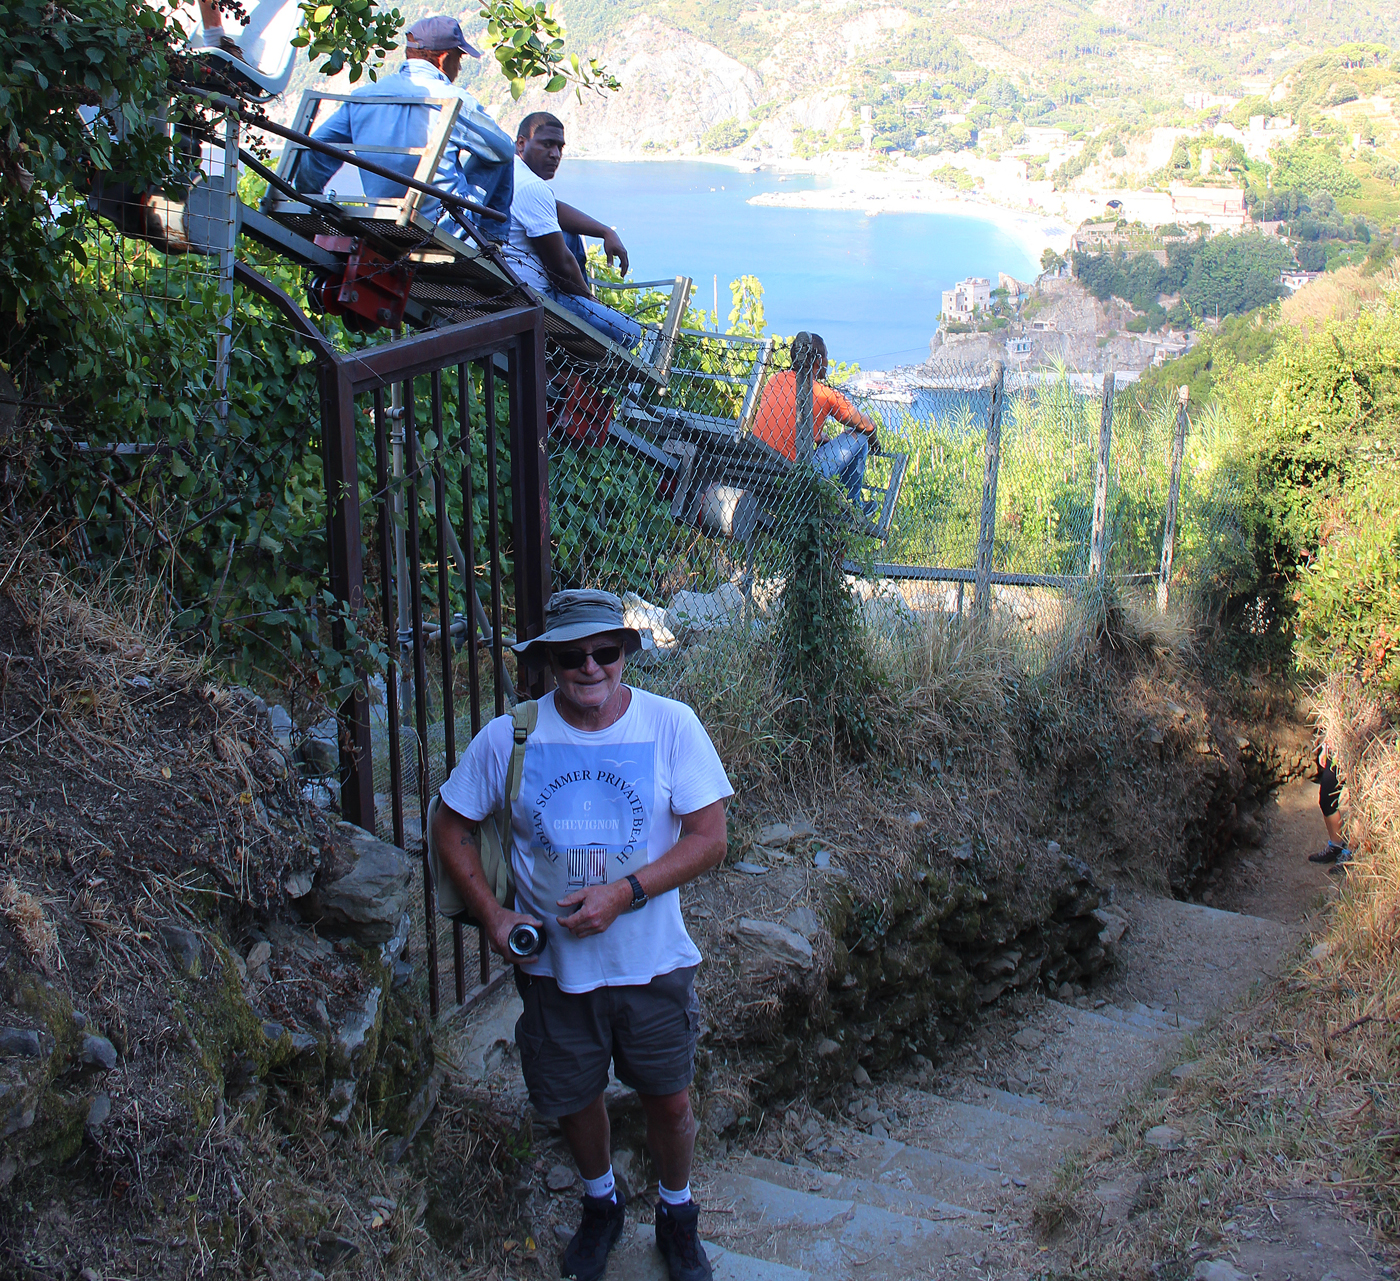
(776, 421)
(546, 245)
(1329, 793)
(478, 162)
(621, 802)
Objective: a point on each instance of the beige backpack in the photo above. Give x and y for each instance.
(495, 831)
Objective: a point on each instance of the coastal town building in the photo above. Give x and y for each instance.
(1220, 208)
(966, 298)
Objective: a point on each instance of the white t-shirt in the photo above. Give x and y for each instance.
(534, 211)
(593, 806)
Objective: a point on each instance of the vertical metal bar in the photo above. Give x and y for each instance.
(464, 438)
(347, 579)
(806, 430)
(464, 443)
(387, 612)
(987, 527)
(420, 684)
(1098, 539)
(493, 535)
(529, 445)
(1164, 576)
(445, 645)
(223, 347)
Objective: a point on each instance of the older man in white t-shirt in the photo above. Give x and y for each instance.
(544, 242)
(621, 803)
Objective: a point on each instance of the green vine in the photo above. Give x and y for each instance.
(826, 671)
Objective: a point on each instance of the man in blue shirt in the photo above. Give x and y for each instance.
(478, 162)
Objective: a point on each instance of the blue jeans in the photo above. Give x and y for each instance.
(623, 330)
(844, 458)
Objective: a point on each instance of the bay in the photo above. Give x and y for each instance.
(871, 285)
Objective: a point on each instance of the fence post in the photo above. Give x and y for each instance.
(987, 529)
(1098, 551)
(805, 430)
(1164, 576)
(347, 579)
(529, 460)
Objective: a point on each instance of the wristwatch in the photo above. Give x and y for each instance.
(639, 895)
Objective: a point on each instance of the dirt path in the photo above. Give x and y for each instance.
(1277, 881)
(943, 1169)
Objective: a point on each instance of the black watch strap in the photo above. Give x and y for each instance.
(639, 895)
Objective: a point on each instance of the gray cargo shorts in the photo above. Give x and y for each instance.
(567, 1040)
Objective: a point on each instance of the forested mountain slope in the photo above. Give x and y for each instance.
(793, 74)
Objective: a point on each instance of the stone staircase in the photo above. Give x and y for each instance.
(937, 1177)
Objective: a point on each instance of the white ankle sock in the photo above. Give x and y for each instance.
(212, 34)
(673, 1198)
(602, 1186)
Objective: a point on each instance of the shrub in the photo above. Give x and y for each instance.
(1349, 597)
(725, 136)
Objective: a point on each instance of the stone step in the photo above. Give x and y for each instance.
(1149, 1018)
(636, 1258)
(932, 1174)
(1030, 1109)
(1189, 959)
(1009, 1144)
(1147, 1031)
(840, 1239)
(892, 1189)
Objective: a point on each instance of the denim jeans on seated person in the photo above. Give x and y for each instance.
(844, 458)
(623, 330)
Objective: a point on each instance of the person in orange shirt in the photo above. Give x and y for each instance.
(776, 422)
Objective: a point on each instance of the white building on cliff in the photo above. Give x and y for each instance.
(967, 296)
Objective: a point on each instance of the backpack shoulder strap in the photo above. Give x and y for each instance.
(523, 720)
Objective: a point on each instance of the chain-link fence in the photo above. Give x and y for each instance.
(678, 496)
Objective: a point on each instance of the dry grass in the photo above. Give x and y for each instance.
(1338, 296)
(33, 929)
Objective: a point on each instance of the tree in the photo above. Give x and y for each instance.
(725, 136)
(1232, 274)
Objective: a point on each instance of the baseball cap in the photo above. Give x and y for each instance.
(437, 34)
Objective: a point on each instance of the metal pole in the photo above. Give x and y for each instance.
(1164, 577)
(987, 529)
(805, 430)
(405, 637)
(1098, 550)
(223, 346)
(347, 584)
(529, 469)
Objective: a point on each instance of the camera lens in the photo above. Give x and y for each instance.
(526, 940)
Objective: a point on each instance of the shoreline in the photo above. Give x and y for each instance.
(872, 191)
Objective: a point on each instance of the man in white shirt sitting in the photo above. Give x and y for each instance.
(477, 163)
(545, 244)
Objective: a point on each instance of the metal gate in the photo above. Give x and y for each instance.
(406, 727)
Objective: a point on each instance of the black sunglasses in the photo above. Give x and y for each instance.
(572, 659)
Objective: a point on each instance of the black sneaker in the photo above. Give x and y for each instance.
(1328, 854)
(586, 1255)
(1344, 856)
(678, 1239)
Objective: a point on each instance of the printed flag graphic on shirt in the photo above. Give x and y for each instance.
(590, 814)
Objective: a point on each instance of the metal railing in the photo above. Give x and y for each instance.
(478, 388)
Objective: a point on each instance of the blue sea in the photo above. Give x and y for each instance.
(871, 285)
